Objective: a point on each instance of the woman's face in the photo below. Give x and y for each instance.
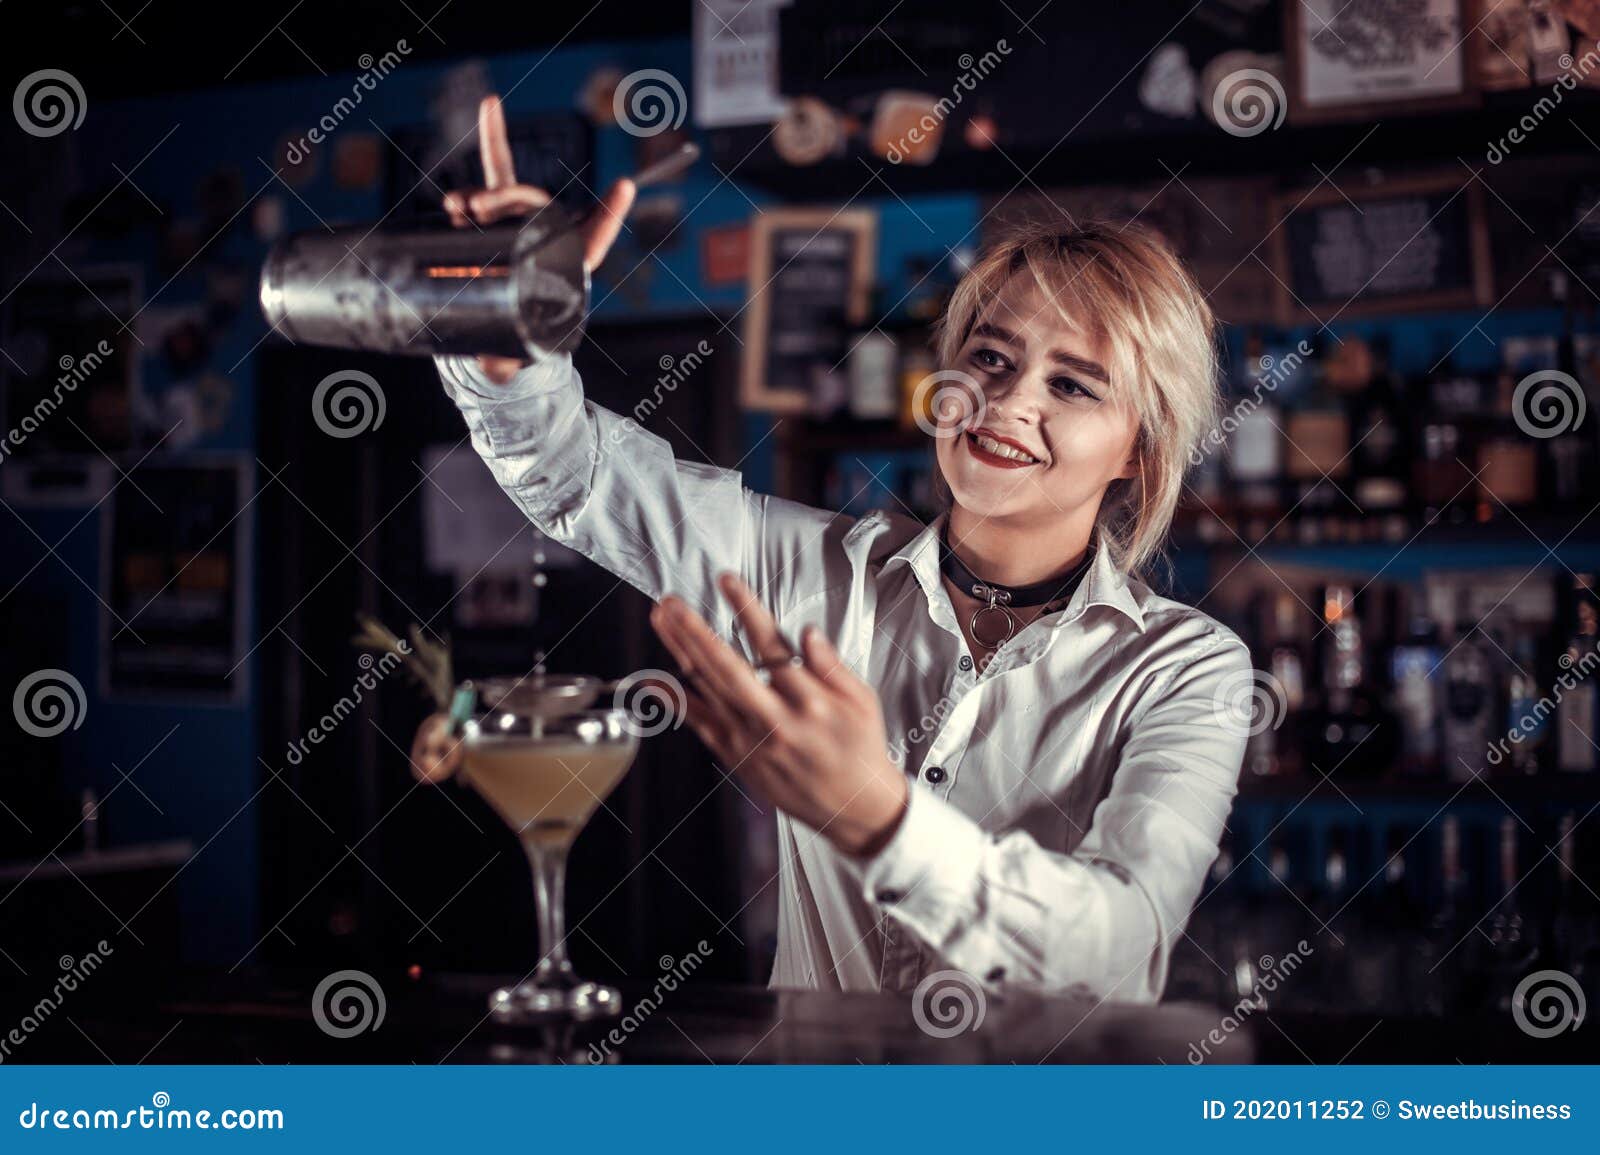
(1047, 438)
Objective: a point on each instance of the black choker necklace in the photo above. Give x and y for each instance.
(1002, 599)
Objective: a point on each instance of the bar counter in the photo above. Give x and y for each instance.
(249, 1018)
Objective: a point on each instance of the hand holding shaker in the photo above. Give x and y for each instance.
(509, 290)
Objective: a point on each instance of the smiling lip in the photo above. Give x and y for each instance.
(995, 460)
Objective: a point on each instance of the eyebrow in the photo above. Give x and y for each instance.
(1059, 357)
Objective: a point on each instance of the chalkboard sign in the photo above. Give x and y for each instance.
(173, 624)
(810, 281)
(1411, 244)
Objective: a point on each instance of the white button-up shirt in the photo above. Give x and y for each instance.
(1067, 800)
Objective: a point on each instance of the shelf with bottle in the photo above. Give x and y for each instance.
(1415, 915)
(1474, 683)
(1325, 441)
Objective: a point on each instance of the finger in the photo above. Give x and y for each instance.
(767, 642)
(494, 145)
(492, 205)
(455, 206)
(759, 626)
(605, 223)
(713, 723)
(708, 691)
(827, 664)
(720, 671)
(500, 370)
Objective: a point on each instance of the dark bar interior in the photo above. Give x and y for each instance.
(210, 820)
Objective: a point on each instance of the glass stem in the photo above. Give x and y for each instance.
(550, 901)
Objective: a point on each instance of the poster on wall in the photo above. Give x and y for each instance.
(811, 273)
(176, 555)
(68, 381)
(736, 62)
(1413, 243)
(1358, 61)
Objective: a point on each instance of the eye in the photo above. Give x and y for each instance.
(1069, 387)
(989, 359)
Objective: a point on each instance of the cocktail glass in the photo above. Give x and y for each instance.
(545, 768)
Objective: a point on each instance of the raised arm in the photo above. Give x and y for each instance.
(597, 481)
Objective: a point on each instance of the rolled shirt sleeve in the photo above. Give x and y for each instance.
(1104, 918)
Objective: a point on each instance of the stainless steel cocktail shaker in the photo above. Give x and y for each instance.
(510, 290)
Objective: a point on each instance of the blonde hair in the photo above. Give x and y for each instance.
(1123, 287)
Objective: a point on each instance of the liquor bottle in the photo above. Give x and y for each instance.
(1578, 707)
(1381, 429)
(1507, 461)
(1318, 433)
(1384, 972)
(1414, 665)
(1453, 400)
(1442, 960)
(874, 388)
(916, 397)
(1255, 449)
(1510, 950)
(1351, 717)
(1469, 699)
(1571, 938)
(1277, 750)
(1572, 445)
(1330, 964)
(1525, 722)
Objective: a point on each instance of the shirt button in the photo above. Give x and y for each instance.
(966, 662)
(934, 774)
(888, 896)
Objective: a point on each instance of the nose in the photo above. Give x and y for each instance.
(1017, 397)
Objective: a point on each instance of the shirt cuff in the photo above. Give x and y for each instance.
(927, 875)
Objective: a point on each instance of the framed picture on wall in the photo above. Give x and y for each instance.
(175, 555)
(811, 273)
(1381, 57)
(1417, 242)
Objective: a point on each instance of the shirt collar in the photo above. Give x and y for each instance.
(1103, 585)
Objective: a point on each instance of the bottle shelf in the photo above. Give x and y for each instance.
(1550, 788)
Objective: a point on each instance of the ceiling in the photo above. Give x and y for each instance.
(136, 47)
